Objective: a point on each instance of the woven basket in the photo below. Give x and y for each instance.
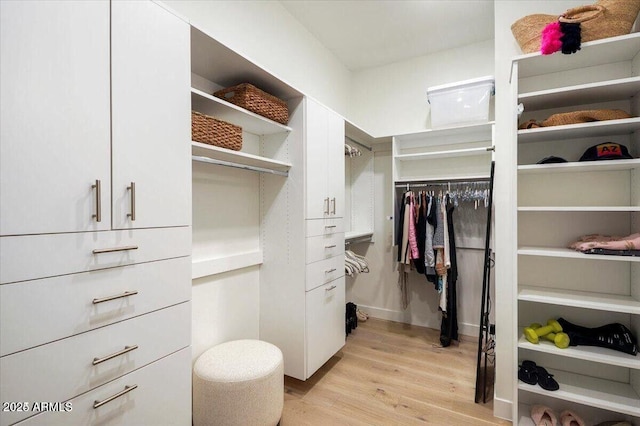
(216, 132)
(606, 18)
(255, 100)
(575, 117)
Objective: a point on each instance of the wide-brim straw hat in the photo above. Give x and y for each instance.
(606, 18)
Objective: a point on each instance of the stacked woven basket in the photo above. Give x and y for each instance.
(212, 131)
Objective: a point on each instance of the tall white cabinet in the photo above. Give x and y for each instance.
(558, 203)
(95, 233)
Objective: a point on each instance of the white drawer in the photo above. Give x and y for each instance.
(324, 247)
(323, 271)
(324, 226)
(64, 369)
(325, 323)
(28, 257)
(27, 308)
(162, 396)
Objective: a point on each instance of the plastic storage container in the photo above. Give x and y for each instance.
(463, 102)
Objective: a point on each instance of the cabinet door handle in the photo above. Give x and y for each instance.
(126, 390)
(132, 188)
(109, 250)
(326, 203)
(117, 296)
(333, 200)
(330, 271)
(330, 288)
(330, 226)
(330, 247)
(126, 349)
(98, 214)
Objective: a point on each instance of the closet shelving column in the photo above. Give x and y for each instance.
(265, 149)
(557, 204)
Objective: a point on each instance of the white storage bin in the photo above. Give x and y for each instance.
(463, 102)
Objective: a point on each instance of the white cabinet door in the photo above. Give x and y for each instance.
(325, 323)
(54, 110)
(335, 160)
(316, 161)
(151, 116)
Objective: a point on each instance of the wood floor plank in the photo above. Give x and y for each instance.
(390, 373)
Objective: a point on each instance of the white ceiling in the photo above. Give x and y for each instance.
(370, 33)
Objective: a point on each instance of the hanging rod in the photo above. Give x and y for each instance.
(442, 183)
(358, 143)
(238, 166)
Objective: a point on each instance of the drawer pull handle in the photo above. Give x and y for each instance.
(330, 226)
(126, 349)
(333, 211)
(132, 188)
(117, 296)
(109, 250)
(98, 214)
(330, 271)
(330, 247)
(125, 391)
(330, 288)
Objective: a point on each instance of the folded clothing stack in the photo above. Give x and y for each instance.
(607, 244)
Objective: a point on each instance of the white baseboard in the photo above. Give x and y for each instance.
(465, 329)
(502, 408)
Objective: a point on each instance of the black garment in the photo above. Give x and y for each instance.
(449, 324)
(351, 320)
(400, 223)
(431, 219)
(421, 232)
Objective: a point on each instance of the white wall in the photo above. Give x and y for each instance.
(268, 35)
(392, 99)
(506, 47)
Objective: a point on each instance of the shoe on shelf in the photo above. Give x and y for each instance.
(569, 418)
(543, 416)
(528, 372)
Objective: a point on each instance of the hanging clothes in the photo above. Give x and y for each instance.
(449, 323)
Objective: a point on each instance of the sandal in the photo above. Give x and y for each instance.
(543, 416)
(528, 372)
(569, 418)
(546, 380)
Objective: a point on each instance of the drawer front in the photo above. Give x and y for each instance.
(26, 308)
(317, 227)
(324, 247)
(162, 396)
(64, 369)
(323, 271)
(325, 323)
(29, 257)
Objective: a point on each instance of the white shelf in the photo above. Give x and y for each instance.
(590, 391)
(580, 209)
(582, 166)
(479, 132)
(223, 110)
(357, 236)
(605, 91)
(207, 267)
(223, 154)
(572, 254)
(444, 154)
(587, 353)
(580, 130)
(580, 299)
(598, 52)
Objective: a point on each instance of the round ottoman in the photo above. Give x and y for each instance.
(239, 383)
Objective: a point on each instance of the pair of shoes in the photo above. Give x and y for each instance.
(361, 315)
(532, 374)
(544, 416)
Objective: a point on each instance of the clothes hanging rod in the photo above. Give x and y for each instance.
(441, 183)
(238, 166)
(358, 143)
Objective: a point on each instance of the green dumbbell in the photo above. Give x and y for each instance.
(533, 334)
(561, 340)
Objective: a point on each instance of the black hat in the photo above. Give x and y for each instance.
(606, 151)
(551, 159)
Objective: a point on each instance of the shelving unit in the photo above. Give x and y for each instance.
(557, 204)
(214, 152)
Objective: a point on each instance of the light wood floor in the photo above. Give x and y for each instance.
(390, 373)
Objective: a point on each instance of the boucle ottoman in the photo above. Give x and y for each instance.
(239, 383)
